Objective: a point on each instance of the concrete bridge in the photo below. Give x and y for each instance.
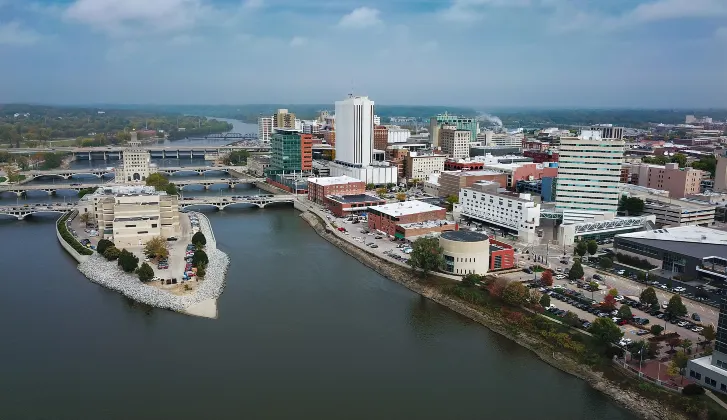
(20, 212)
(208, 182)
(156, 152)
(224, 202)
(101, 172)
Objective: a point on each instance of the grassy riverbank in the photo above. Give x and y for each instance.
(559, 345)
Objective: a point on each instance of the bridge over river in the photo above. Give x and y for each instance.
(222, 203)
(156, 152)
(21, 211)
(101, 172)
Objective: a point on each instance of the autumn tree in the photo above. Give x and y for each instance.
(451, 201)
(401, 196)
(381, 192)
(546, 278)
(515, 293)
(156, 247)
(609, 302)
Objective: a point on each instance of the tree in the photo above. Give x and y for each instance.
(426, 255)
(709, 333)
(656, 330)
(679, 158)
(381, 192)
(675, 308)
(515, 293)
(571, 319)
(686, 345)
(237, 158)
(624, 312)
(613, 292)
(673, 342)
(156, 247)
(158, 181)
(680, 362)
(631, 205)
(592, 247)
(103, 245)
(471, 280)
(606, 263)
(545, 301)
(199, 240)
(370, 187)
(111, 253)
(581, 248)
(451, 201)
(546, 278)
(605, 331)
(85, 218)
(649, 296)
(692, 389)
(128, 261)
(201, 270)
(171, 189)
(200, 258)
(576, 271)
(609, 302)
(145, 273)
(401, 196)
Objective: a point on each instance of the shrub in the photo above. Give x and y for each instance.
(692, 389)
(112, 253)
(145, 272)
(199, 240)
(70, 240)
(200, 258)
(128, 261)
(634, 261)
(103, 245)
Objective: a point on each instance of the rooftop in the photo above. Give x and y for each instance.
(690, 234)
(355, 198)
(465, 236)
(427, 224)
(405, 208)
(472, 173)
(334, 180)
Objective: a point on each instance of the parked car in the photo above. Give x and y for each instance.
(695, 316)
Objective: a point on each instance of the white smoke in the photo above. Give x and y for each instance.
(485, 117)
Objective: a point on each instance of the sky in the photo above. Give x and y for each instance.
(480, 53)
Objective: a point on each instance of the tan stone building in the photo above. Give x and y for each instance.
(284, 119)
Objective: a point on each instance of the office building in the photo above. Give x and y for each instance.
(544, 188)
(711, 371)
(669, 177)
(465, 252)
(135, 168)
(523, 171)
(488, 202)
(347, 205)
(320, 188)
(720, 174)
(455, 142)
(461, 123)
(396, 134)
(589, 173)
(608, 131)
(284, 119)
(421, 165)
(387, 218)
(290, 151)
(377, 120)
(264, 129)
(450, 183)
(381, 137)
(130, 216)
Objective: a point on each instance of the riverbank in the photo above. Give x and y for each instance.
(644, 407)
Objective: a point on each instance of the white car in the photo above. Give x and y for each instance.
(683, 323)
(679, 289)
(619, 298)
(621, 272)
(697, 329)
(560, 277)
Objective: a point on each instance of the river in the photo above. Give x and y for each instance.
(305, 332)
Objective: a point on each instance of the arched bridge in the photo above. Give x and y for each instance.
(222, 203)
(237, 136)
(100, 172)
(20, 212)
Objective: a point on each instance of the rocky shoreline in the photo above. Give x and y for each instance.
(646, 408)
(108, 274)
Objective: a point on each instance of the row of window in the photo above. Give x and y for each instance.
(707, 380)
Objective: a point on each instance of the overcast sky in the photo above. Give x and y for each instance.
(482, 53)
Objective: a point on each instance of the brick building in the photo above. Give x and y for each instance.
(502, 255)
(541, 156)
(463, 165)
(320, 188)
(344, 205)
(451, 182)
(381, 137)
(385, 218)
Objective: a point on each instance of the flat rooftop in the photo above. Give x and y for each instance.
(688, 234)
(465, 236)
(334, 180)
(355, 198)
(472, 173)
(427, 225)
(405, 208)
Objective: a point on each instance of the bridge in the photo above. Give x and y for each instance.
(101, 172)
(20, 212)
(224, 202)
(155, 151)
(249, 136)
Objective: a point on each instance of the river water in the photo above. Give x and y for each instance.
(305, 332)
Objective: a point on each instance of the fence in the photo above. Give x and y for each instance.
(624, 367)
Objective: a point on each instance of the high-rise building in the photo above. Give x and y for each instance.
(377, 120)
(455, 142)
(264, 128)
(381, 137)
(355, 130)
(720, 174)
(608, 131)
(461, 123)
(589, 172)
(135, 163)
(284, 119)
(290, 151)
(679, 182)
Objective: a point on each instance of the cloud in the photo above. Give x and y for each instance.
(13, 33)
(123, 17)
(677, 9)
(363, 17)
(298, 41)
(252, 4)
(472, 10)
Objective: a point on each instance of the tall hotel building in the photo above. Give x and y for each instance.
(264, 128)
(589, 172)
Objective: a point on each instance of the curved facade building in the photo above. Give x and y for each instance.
(465, 252)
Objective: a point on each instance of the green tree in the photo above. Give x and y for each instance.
(158, 181)
(631, 205)
(649, 296)
(201, 270)
(581, 248)
(370, 187)
(156, 247)
(145, 273)
(675, 308)
(171, 189)
(237, 158)
(471, 280)
(571, 319)
(545, 301)
(576, 271)
(624, 312)
(451, 201)
(51, 161)
(199, 240)
(656, 330)
(709, 333)
(605, 331)
(613, 292)
(592, 247)
(103, 245)
(515, 293)
(426, 255)
(606, 263)
(679, 158)
(200, 257)
(686, 345)
(112, 253)
(401, 196)
(128, 261)
(679, 362)
(381, 192)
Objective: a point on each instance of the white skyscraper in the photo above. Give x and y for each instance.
(265, 128)
(589, 172)
(134, 163)
(355, 130)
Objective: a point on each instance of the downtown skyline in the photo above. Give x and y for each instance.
(478, 53)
